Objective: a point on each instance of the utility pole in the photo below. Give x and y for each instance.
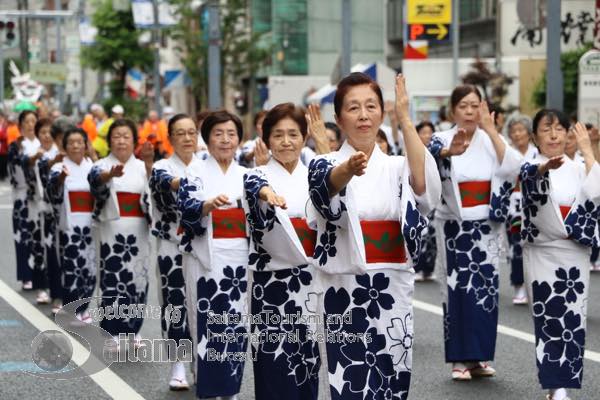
(346, 37)
(455, 39)
(156, 49)
(214, 55)
(554, 76)
(60, 89)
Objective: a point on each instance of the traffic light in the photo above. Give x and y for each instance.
(7, 29)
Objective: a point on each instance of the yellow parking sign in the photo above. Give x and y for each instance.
(431, 12)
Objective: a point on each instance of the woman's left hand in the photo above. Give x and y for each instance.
(401, 105)
(584, 143)
(486, 119)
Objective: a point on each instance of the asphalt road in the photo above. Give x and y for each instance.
(515, 355)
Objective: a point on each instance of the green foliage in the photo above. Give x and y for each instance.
(116, 48)
(494, 85)
(136, 109)
(569, 64)
(241, 53)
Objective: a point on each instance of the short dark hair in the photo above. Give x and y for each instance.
(24, 114)
(73, 131)
(282, 111)
(333, 126)
(174, 119)
(460, 92)
(117, 123)
(381, 135)
(40, 123)
(219, 117)
(552, 115)
(352, 80)
(423, 124)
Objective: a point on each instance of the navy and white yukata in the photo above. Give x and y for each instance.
(476, 191)
(214, 262)
(121, 209)
(45, 247)
(560, 211)
(369, 237)
(74, 204)
(281, 247)
(166, 229)
(24, 215)
(513, 228)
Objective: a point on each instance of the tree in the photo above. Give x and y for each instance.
(241, 53)
(569, 64)
(116, 50)
(494, 85)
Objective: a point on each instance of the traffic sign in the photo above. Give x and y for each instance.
(431, 32)
(427, 12)
(588, 101)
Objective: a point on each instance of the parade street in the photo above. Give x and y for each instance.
(514, 362)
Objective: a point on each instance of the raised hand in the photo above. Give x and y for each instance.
(316, 128)
(116, 171)
(58, 158)
(584, 143)
(267, 194)
(261, 153)
(147, 152)
(486, 119)
(401, 105)
(357, 163)
(460, 143)
(553, 163)
(63, 173)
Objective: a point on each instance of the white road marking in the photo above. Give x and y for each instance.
(108, 381)
(503, 329)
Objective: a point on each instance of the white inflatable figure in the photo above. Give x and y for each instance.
(25, 88)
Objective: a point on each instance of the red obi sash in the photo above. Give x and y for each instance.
(383, 241)
(517, 186)
(229, 223)
(81, 201)
(307, 236)
(564, 211)
(129, 204)
(475, 193)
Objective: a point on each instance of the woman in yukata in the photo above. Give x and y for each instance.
(20, 154)
(281, 249)
(519, 132)
(478, 171)
(43, 237)
(119, 185)
(561, 200)
(215, 259)
(164, 184)
(69, 192)
(369, 209)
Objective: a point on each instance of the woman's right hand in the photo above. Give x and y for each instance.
(553, 163)
(216, 202)
(63, 174)
(357, 163)
(116, 171)
(460, 143)
(267, 194)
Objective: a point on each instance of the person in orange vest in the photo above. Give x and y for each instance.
(12, 130)
(3, 147)
(89, 126)
(154, 130)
